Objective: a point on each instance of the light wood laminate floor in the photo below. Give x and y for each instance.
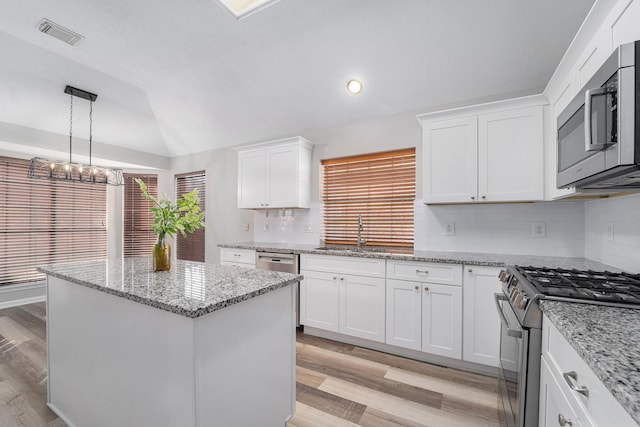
(338, 384)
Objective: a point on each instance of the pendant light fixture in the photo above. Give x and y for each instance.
(72, 171)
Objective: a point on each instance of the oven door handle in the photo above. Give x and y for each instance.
(510, 331)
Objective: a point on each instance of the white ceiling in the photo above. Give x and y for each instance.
(182, 76)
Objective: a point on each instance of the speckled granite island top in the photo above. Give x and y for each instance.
(608, 339)
(470, 258)
(191, 289)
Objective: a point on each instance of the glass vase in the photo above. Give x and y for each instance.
(162, 257)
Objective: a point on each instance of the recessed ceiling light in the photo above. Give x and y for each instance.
(243, 8)
(354, 86)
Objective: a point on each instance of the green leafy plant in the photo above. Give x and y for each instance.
(169, 219)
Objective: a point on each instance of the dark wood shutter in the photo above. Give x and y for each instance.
(137, 236)
(381, 187)
(191, 248)
(47, 222)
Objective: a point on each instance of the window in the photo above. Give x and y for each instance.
(45, 222)
(381, 187)
(137, 236)
(191, 248)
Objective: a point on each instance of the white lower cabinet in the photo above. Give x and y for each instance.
(319, 296)
(362, 310)
(351, 304)
(555, 409)
(442, 320)
(481, 337)
(423, 315)
(404, 314)
(587, 401)
(238, 257)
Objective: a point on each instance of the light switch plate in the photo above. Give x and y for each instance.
(538, 229)
(449, 228)
(265, 227)
(610, 232)
(246, 226)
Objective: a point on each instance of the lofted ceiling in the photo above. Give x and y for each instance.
(176, 77)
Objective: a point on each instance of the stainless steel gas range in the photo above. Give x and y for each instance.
(521, 334)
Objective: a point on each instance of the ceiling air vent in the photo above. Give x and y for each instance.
(59, 32)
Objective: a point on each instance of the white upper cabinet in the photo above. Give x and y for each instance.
(451, 171)
(485, 153)
(510, 155)
(275, 174)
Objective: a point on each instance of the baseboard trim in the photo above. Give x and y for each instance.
(15, 295)
(403, 352)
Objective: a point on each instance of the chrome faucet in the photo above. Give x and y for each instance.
(361, 241)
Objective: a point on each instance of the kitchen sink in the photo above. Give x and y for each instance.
(367, 249)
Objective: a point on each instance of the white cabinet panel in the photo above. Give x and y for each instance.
(510, 155)
(252, 188)
(242, 256)
(485, 153)
(446, 274)
(623, 23)
(442, 320)
(481, 326)
(450, 151)
(319, 300)
(362, 307)
(275, 174)
(343, 265)
(554, 405)
(404, 314)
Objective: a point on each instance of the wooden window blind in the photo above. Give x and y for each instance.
(191, 248)
(138, 237)
(381, 187)
(46, 222)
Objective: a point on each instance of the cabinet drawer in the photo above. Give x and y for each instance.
(446, 274)
(244, 256)
(343, 265)
(600, 405)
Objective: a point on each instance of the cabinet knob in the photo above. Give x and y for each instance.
(417, 287)
(563, 421)
(473, 197)
(334, 278)
(426, 289)
(470, 270)
(342, 278)
(484, 197)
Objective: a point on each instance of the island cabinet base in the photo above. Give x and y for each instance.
(115, 362)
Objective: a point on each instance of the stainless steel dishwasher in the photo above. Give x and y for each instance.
(288, 263)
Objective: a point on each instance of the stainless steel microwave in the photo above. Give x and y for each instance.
(599, 131)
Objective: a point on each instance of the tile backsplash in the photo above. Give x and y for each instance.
(496, 228)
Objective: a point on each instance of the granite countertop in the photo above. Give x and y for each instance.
(191, 289)
(470, 258)
(608, 339)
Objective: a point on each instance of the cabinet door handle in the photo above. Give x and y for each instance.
(342, 278)
(426, 289)
(422, 271)
(473, 197)
(334, 278)
(572, 381)
(417, 287)
(563, 421)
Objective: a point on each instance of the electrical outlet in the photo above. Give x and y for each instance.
(246, 226)
(538, 229)
(265, 227)
(610, 236)
(308, 228)
(449, 228)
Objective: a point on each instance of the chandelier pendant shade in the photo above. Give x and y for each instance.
(73, 171)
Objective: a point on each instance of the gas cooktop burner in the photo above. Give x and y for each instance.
(596, 286)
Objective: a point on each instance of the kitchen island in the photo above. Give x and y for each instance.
(200, 345)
